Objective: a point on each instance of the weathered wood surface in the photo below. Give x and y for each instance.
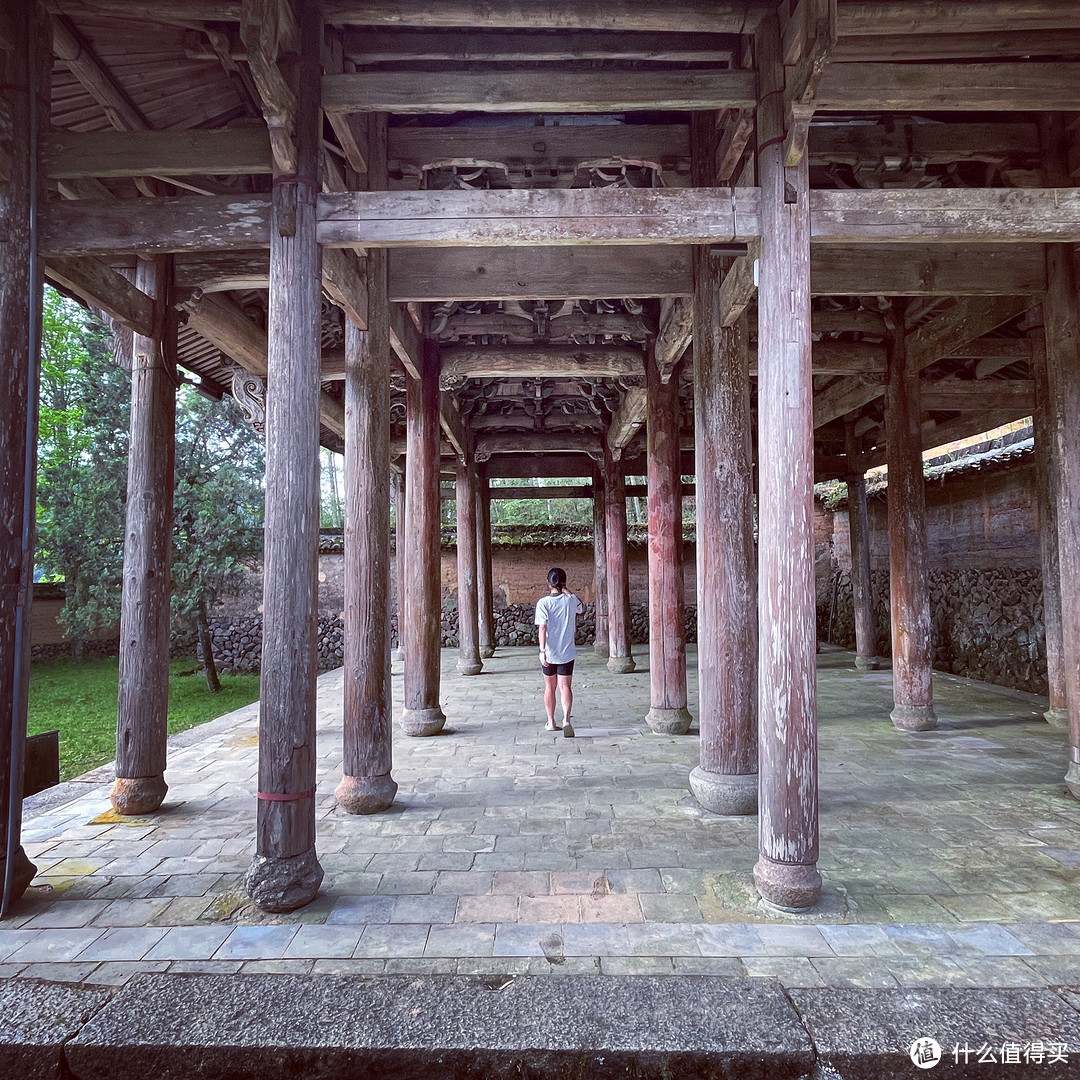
(405, 340)
(1047, 473)
(999, 44)
(485, 589)
(909, 583)
(901, 17)
(786, 871)
(20, 76)
(106, 289)
(541, 361)
(674, 334)
(143, 699)
(667, 629)
(726, 570)
(402, 219)
(453, 427)
(972, 396)
(993, 87)
(936, 144)
(526, 91)
(285, 873)
(346, 285)
(1061, 312)
(620, 660)
(859, 540)
(469, 662)
(223, 152)
(948, 215)
(156, 226)
(421, 631)
(573, 440)
(397, 483)
(627, 419)
(833, 357)
(600, 569)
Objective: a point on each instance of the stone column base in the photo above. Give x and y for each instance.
(789, 887)
(487, 652)
(24, 872)
(422, 722)
(621, 665)
(725, 793)
(134, 795)
(1057, 717)
(600, 648)
(279, 884)
(669, 721)
(469, 666)
(914, 717)
(867, 663)
(366, 794)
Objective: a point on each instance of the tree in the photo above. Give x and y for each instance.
(217, 511)
(82, 467)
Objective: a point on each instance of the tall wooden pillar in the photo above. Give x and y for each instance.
(397, 485)
(667, 628)
(143, 699)
(367, 786)
(726, 780)
(469, 662)
(485, 596)
(1046, 490)
(786, 872)
(620, 660)
(600, 568)
(909, 584)
(24, 98)
(285, 873)
(1061, 311)
(422, 630)
(862, 598)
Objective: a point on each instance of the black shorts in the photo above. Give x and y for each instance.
(557, 669)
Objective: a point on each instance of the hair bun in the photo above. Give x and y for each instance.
(556, 577)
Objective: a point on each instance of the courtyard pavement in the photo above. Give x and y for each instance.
(950, 858)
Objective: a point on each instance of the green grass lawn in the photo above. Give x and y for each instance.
(80, 701)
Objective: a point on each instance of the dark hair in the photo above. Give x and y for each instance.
(557, 577)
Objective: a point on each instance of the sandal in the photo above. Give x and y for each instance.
(567, 730)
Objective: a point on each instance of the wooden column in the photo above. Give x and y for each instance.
(862, 598)
(620, 661)
(600, 568)
(397, 484)
(485, 595)
(422, 633)
(1046, 490)
(285, 873)
(909, 584)
(24, 99)
(786, 873)
(143, 699)
(726, 780)
(469, 662)
(667, 628)
(1061, 311)
(367, 786)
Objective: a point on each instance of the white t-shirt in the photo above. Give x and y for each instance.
(556, 611)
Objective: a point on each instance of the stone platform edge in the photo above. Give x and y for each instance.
(174, 1027)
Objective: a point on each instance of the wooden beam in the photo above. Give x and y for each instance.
(841, 358)
(964, 395)
(405, 340)
(538, 217)
(541, 361)
(673, 338)
(844, 322)
(226, 151)
(345, 282)
(536, 442)
(900, 17)
(738, 288)
(416, 92)
(928, 270)
(538, 273)
(994, 87)
(946, 215)
(454, 428)
(155, 226)
(934, 144)
(1001, 44)
(523, 330)
(105, 288)
(627, 419)
(564, 491)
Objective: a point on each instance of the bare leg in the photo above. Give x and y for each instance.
(567, 693)
(550, 682)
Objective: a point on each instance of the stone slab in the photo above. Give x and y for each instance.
(37, 1019)
(868, 1034)
(273, 1027)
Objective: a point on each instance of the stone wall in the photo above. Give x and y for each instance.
(985, 574)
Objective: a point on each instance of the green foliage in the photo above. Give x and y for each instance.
(82, 466)
(79, 700)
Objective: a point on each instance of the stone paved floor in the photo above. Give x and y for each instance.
(949, 857)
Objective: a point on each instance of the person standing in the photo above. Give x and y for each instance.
(556, 618)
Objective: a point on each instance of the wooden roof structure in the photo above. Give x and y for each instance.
(924, 152)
